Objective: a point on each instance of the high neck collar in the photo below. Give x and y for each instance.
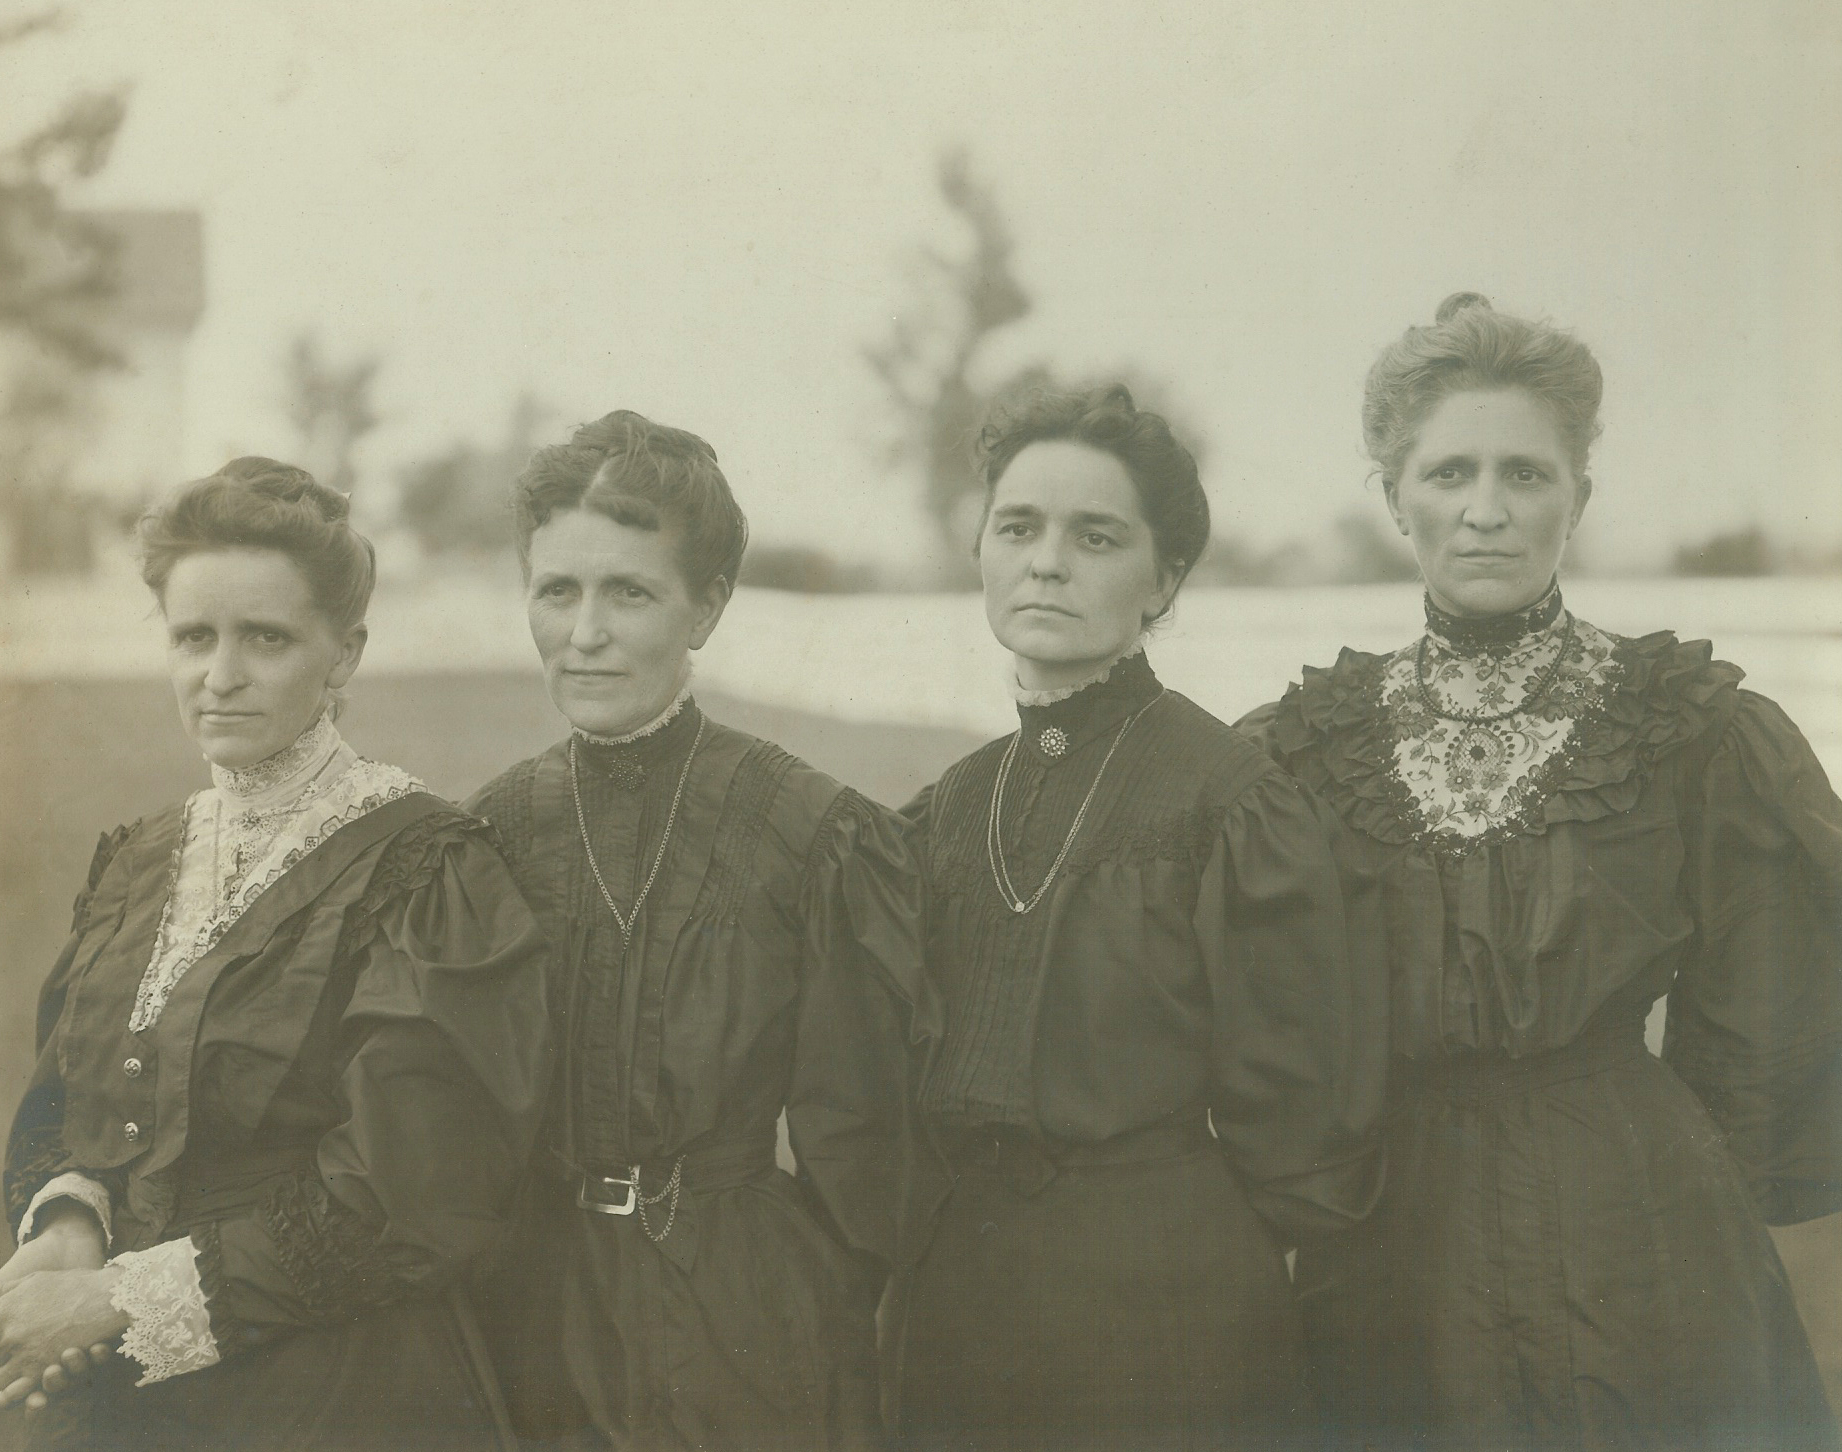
(629, 758)
(276, 778)
(1494, 635)
(1056, 724)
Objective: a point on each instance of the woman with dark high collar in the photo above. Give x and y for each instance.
(1568, 824)
(1164, 1037)
(736, 935)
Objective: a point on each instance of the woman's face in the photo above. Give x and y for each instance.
(251, 655)
(1488, 499)
(613, 618)
(1070, 566)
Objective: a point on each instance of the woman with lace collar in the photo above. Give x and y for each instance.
(293, 1052)
(1568, 824)
(736, 935)
(1141, 935)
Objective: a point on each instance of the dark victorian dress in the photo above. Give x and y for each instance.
(773, 965)
(297, 1098)
(1099, 1269)
(1571, 1250)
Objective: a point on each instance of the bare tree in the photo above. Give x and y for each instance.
(928, 361)
(57, 284)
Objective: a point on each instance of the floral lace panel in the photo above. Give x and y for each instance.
(1474, 779)
(169, 1327)
(70, 1186)
(197, 914)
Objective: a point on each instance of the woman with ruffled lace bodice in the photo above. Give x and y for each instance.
(1568, 824)
(290, 1059)
(1164, 1041)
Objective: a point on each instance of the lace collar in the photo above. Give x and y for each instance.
(278, 778)
(1058, 727)
(1493, 634)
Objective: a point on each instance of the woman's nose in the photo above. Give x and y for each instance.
(225, 672)
(588, 632)
(1048, 560)
(1484, 505)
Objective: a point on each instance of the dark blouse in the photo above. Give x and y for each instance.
(1202, 945)
(336, 1098)
(775, 962)
(1687, 843)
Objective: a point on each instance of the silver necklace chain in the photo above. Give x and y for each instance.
(994, 821)
(629, 921)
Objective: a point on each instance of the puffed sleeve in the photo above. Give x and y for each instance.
(1292, 943)
(37, 1164)
(849, 1112)
(1755, 1016)
(445, 1060)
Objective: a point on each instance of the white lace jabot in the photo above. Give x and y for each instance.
(243, 833)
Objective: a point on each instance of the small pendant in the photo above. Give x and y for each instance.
(1018, 907)
(627, 772)
(1053, 741)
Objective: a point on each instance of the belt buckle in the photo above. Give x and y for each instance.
(631, 1184)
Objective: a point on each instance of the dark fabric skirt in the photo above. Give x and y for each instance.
(1140, 1306)
(755, 1334)
(401, 1379)
(1566, 1256)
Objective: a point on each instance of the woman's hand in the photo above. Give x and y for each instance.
(68, 1238)
(47, 1315)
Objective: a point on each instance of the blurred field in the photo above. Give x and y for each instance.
(100, 744)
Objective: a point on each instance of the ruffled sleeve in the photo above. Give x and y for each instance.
(1292, 942)
(445, 1060)
(849, 1111)
(1755, 1017)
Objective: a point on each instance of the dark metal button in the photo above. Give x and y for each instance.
(131, 1131)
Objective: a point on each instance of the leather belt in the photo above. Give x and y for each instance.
(701, 1169)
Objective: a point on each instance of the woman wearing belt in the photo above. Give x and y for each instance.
(1138, 926)
(737, 935)
(292, 1056)
(1571, 1251)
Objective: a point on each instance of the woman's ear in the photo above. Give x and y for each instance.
(1581, 494)
(1392, 495)
(716, 600)
(351, 651)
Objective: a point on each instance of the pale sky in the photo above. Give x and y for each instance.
(702, 211)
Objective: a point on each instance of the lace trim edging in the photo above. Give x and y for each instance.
(169, 1327)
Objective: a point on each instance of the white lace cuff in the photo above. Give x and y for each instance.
(69, 1186)
(169, 1329)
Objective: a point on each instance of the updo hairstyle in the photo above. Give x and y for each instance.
(260, 504)
(1470, 346)
(643, 475)
(1170, 492)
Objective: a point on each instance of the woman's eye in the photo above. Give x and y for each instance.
(1098, 541)
(1448, 475)
(1013, 530)
(192, 639)
(554, 590)
(271, 639)
(634, 595)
